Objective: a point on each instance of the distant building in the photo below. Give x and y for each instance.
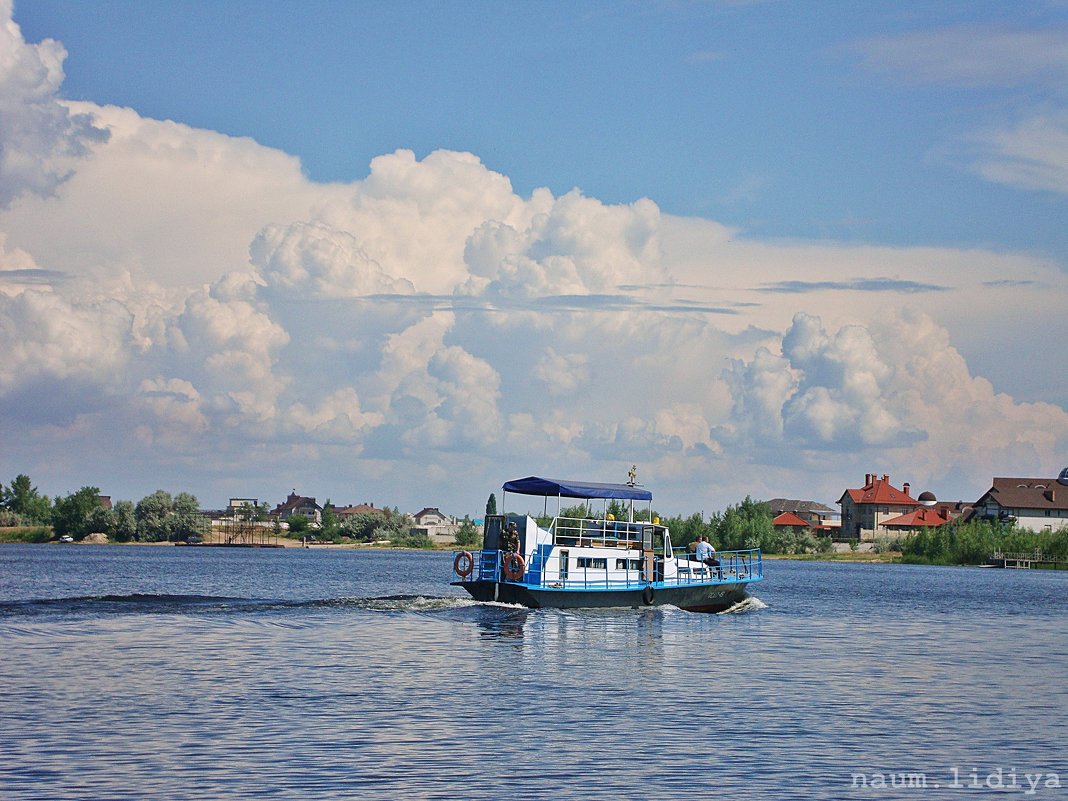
(298, 505)
(791, 521)
(440, 528)
(814, 514)
(911, 522)
(866, 510)
(242, 507)
(1040, 504)
(345, 512)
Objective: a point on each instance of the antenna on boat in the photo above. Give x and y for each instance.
(632, 481)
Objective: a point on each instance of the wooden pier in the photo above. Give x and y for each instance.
(1029, 560)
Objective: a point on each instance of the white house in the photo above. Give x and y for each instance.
(440, 528)
(1040, 504)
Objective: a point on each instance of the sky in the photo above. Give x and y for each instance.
(403, 252)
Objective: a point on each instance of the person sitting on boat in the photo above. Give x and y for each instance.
(705, 552)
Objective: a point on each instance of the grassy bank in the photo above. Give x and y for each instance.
(26, 534)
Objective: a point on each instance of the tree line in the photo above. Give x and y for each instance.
(378, 525)
(162, 517)
(157, 517)
(372, 525)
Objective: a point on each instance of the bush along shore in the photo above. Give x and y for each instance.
(976, 542)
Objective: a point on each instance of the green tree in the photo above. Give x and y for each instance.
(363, 525)
(411, 539)
(974, 542)
(467, 534)
(153, 513)
(330, 524)
(491, 505)
(185, 519)
(77, 513)
(747, 525)
(298, 524)
(23, 500)
(125, 524)
(687, 530)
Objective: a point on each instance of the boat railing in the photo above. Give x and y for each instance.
(733, 565)
(605, 572)
(598, 532)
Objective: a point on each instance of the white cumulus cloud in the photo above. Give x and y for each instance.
(189, 302)
(40, 138)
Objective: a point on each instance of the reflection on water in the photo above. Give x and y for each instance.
(143, 673)
(507, 622)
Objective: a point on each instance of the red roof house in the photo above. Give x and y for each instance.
(790, 520)
(865, 510)
(924, 517)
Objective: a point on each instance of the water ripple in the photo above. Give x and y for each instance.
(221, 688)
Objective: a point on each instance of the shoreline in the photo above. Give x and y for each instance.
(287, 543)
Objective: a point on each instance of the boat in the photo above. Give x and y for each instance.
(596, 560)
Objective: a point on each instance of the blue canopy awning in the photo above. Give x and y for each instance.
(551, 488)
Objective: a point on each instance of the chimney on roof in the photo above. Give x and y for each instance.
(867, 479)
(886, 477)
(1051, 495)
(905, 487)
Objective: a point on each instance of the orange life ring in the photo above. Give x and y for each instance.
(463, 564)
(514, 565)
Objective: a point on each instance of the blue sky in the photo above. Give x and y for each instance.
(773, 200)
(767, 116)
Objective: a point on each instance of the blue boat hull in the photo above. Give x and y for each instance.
(691, 597)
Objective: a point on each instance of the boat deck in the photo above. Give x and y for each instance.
(736, 567)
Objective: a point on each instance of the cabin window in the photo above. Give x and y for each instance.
(593, 564)
(628, 564)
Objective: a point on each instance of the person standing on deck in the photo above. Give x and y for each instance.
(510, 540)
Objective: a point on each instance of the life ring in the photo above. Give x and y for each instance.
(514, 565)
(463, 564)
(648, 594)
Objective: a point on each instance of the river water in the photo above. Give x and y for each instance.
(212, 673)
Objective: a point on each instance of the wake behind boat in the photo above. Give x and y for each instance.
(593, 561)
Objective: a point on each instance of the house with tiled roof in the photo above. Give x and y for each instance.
(345, 512)
(923, 517)
(791, 521)
(298, 505)
(1040, 504)
(815, 514)
(866, 509)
